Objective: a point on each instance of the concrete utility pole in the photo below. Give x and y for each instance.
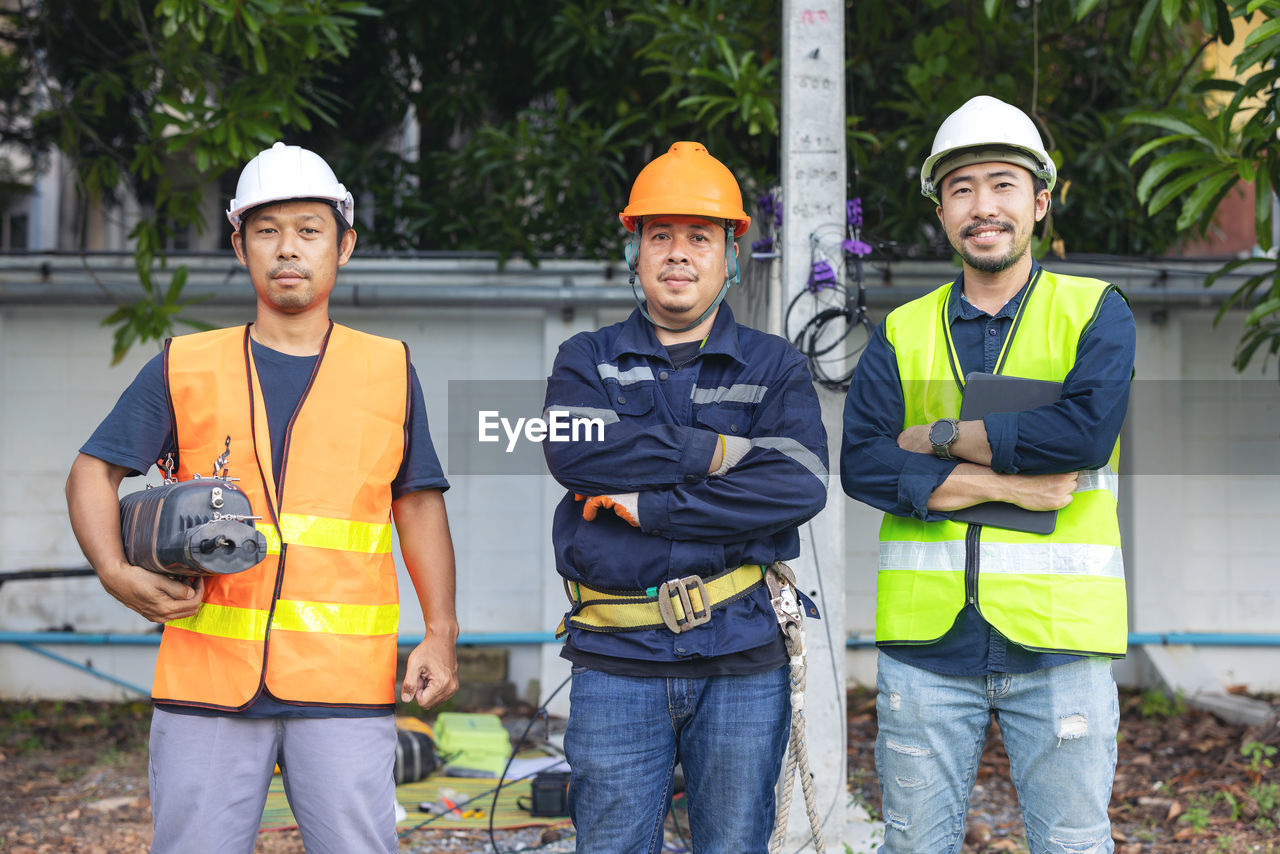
(813, 195)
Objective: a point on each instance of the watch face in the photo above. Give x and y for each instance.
(942, 433)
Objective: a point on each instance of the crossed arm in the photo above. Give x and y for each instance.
(669, 476)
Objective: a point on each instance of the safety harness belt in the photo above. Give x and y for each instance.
(679, 604)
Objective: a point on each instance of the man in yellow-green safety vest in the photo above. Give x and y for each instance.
(994, 609)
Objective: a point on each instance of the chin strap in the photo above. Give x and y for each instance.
(631, 253)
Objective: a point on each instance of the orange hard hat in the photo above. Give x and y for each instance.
(686, 180)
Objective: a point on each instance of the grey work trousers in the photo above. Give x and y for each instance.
(209, 778)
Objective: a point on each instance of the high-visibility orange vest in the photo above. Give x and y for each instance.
(316, 622)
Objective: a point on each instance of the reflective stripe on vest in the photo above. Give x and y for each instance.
(330, 617)
(316, 622)
(1061, 591)
(322, 533)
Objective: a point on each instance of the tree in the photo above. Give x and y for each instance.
(532, 118)
(1067, 63)
(154, 97)
(1200, 155)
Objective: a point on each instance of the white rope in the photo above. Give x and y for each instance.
(797, 752)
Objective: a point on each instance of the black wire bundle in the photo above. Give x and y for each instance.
(810, 341)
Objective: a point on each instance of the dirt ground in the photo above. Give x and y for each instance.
(73, 781)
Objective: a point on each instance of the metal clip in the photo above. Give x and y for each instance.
(680, 588)
(166, 469)
(220, 464)
(781, 581)
(233, 517)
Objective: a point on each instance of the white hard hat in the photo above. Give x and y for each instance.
(285, 172)
(985, 129)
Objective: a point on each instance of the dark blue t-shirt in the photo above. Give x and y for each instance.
(137, 432)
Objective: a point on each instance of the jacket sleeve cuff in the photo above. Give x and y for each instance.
(1002, 437)
(699, 453)
(921, 475)
(652, 507)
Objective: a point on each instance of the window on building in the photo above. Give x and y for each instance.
(14, 231)
(17, 232)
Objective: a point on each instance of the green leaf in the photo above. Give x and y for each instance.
(1224, 29)
(259, 58)
(1253, 87)
(1229, 267)
(990, 7)
(1180, 124)
(1085, 7)
(1270, 306)
(1163, 167)
(1142, 29)
(1265, 30)
(1203, 201)
(1148, 147)
(1262, 208)
(1175, 188)
(1169, 11)
(176, 284)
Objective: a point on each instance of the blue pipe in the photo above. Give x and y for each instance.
(1202, 639)
(153, 639)
(28, 640)
(535, 638)
(490, 639)
(84, 668)
(1161, 639)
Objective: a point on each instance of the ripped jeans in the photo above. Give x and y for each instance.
(1059, 728)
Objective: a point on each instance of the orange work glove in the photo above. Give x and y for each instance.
(625, 505)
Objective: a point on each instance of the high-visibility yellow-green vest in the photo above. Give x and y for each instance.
(1062, 591)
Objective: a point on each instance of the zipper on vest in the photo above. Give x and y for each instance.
(971, 538)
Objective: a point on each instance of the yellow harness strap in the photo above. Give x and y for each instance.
(679, 605)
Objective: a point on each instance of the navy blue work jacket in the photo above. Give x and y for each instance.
(662, 426)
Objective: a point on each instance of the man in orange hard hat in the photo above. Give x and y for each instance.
(713, 453)
(294, 660)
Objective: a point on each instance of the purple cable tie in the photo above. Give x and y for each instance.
(821, 276)
(853, 212)
(769, 210)
(854, 246)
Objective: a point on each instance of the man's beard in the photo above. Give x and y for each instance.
(987, 263)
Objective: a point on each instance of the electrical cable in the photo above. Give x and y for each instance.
(497, 790)
(821, 334)
(541, 713)
(434, 818)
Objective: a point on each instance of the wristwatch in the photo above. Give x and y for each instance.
(942, 435)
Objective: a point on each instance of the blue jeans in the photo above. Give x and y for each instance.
(1059, 728)
(625, 735)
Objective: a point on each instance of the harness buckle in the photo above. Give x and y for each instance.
(680, 588)
(781, 581)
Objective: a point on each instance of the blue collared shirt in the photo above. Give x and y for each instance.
(1081, 435)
